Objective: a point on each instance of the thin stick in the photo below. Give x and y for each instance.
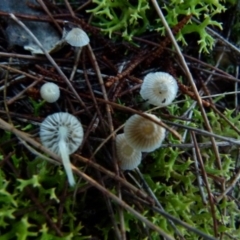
(19, 71)
(17, 96)
(197, 171)
(77, 54)
(200, 145)
(100, 79)
(69, 8)
(211, 201)
(43, 5)
(233, 183)
(205, 133)
(85, 73)
(5, 97)
(33, 151)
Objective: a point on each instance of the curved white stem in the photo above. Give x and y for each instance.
(66, 162)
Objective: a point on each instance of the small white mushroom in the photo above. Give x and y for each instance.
(129, 158)
(62, 133)
(50, 92)
(143, 134)
(159, 88)
(77, 37)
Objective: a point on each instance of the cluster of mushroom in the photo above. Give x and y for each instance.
(144, 134)
(75, 37)
(62, 132)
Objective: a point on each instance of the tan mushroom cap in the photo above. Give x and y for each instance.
(159, 88)
(129, 158)
(143, 134)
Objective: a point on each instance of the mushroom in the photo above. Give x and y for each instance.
(159, 88)
(50, 92)
(143, 134)
(76, 37)
(129, 158)
(62, 133)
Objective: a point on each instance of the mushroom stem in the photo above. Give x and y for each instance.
(66, 161)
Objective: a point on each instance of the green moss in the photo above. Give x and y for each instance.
(122, 16)
(132, 20)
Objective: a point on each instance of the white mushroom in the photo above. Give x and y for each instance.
(129, 158)
(159, 88)
(62, 133)
(50, 92)
(77, 37)
(143, 134)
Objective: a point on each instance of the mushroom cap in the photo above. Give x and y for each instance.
(50, 92)
(159, 88)
(143, 134)
(129, 158)
(57, 125)
(77, 37)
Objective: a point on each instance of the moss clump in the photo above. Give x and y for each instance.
(134, 19)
